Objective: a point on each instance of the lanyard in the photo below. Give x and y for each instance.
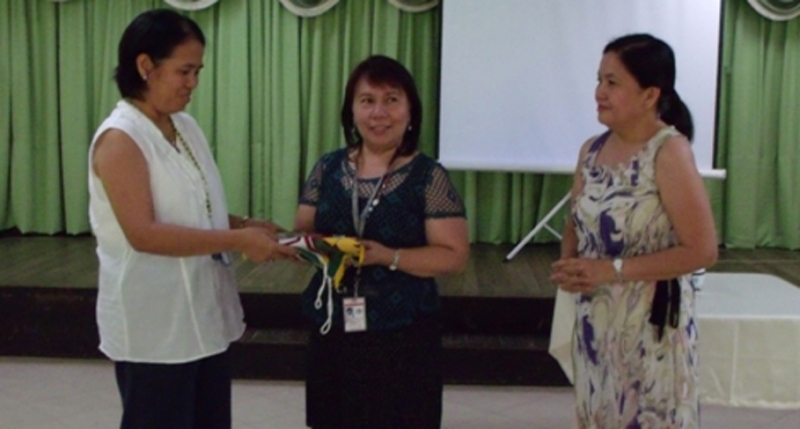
(360, 219)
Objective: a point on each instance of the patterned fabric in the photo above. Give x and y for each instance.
(411, 194)
(624, 376)
(332, 255)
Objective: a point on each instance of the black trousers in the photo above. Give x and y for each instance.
(193, 395)
(376, 380)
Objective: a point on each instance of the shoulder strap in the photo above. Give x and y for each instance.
(598, 142)
(655, 142)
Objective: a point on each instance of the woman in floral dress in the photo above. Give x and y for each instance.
(641, 221)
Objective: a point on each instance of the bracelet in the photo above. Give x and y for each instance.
(617, 263)
(243, 221)
(395, 260)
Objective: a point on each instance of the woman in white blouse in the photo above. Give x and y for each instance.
(167, 307)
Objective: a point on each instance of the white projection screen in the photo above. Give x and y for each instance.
(518, 76)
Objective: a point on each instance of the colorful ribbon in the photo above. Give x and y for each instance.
(331, 254)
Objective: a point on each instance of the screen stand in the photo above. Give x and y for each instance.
(542, 224)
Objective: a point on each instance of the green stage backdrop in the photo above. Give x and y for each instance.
(269, 101)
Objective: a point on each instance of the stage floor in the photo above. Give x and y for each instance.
(71, 262)
(496, 315)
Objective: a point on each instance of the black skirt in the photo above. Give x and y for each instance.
(381, 379)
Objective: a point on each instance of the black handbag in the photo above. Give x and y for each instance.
(666, 305)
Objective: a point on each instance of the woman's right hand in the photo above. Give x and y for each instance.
(261, 244)
(572, 275)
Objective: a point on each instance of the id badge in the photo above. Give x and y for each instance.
(355, 314)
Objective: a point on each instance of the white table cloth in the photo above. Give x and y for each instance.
(749, 340)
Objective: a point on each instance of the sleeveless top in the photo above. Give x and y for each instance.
(153, 308)
(625, 376)
(411, 194)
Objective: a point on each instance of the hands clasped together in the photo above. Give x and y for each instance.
(581, 275)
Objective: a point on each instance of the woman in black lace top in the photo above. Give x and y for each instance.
(379, 365)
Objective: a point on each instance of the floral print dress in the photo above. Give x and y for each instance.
(624, 376)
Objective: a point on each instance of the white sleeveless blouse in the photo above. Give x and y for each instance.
(163, 309)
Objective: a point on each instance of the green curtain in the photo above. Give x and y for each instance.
(275, 106)
(5, 115)
(32, 163)
(270, 96)
(88, 34)
(759, 131)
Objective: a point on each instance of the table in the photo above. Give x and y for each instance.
(749, 340)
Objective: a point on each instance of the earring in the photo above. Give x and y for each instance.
(410, 128)
(144, 77)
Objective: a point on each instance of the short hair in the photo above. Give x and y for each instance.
(382, 70)
(155, 33)
(651, 62)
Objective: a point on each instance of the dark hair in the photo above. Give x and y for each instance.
(382, 70)
(652, 63)
(155, 33)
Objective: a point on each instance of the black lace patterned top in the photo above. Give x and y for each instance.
(411, 194)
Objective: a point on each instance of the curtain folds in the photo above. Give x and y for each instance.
(778, 10)
(759, 131)
(308, 8)
(270, 96)
(313, 8)
(88, 34)
(6, 220)
(275, 149)
(414, 6)
(35, 167)
(191, 4)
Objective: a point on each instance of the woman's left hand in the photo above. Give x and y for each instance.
(582, 274)
(376, 253)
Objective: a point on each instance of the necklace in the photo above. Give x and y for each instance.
(223, 257)
(185, 146)
(172, 141)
